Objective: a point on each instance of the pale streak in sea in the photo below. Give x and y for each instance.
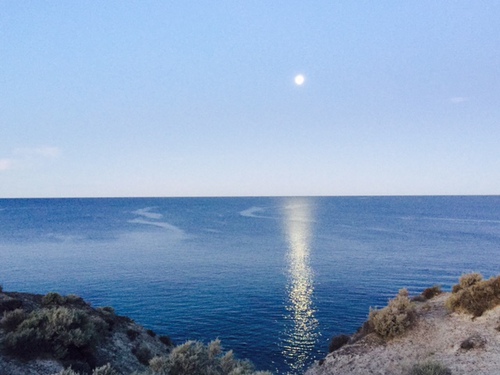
(302, 329)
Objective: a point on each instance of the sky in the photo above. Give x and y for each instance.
(198, 98)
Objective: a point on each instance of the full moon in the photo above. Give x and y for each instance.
(299, 79)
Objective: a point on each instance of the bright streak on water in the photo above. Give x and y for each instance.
(302, 328)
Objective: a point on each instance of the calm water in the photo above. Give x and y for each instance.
(273, 278)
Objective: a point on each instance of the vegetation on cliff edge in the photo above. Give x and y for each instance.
(68, 330)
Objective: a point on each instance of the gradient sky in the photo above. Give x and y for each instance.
(197, 98)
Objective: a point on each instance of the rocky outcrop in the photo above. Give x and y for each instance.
(127, 346)
(461, 342)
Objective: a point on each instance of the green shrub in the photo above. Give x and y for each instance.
(429, 368)
(101, 327)
(61, 332)
(12, 319)
(151, 333)
(195, 358)
(67, 371)
(9, 304)
(474, 296)
(337, 342)
(107, 313)
(53, 299)
(107, 310)
(393, 320)
(159, 365)
(104, 370)
(74, 300)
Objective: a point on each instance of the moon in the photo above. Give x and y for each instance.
(299, 79)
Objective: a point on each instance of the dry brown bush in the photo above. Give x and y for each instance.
(393, 320)
(473, 295)
(432, 292)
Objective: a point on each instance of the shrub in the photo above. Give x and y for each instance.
(429, 368)
(469, 280)
(12, 319)
(159, 365)
(393, 320)
(466, 281)
(473, 295)
(108, 314)
(24, 342)
(101, 327)
(195, 358)
(106, 310)
(62, 332)
(1, 288)
(9, 304)
(432, 292)
(337, 342)
(53, 299)
(104, 370)
(151, 333)
(74, 300)
(67, 371)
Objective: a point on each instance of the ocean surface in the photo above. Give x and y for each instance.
(273, 278)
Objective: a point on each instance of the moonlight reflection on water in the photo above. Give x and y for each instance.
(302, 326)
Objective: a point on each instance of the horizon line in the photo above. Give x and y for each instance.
(259, 196)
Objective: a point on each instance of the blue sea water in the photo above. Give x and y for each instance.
(273, 278)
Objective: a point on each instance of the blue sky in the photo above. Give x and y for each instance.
(163, 98)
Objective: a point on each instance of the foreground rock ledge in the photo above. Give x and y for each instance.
(464, 344)
(124, 338)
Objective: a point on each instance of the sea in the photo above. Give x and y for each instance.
(274, 278)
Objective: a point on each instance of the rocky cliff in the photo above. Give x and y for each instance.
(448, 334)
(41, 335)
(63, 335)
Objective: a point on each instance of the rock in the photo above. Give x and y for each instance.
(457, 341)
(473, 342)
(125, 352)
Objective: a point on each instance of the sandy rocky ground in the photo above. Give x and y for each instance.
(464, 344)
